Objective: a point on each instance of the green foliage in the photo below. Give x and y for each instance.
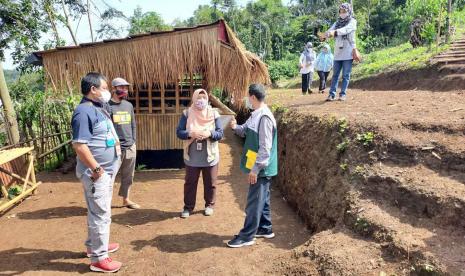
(20, 28)
(146, 22)
(359, 170)
(14, 191)
(396, 58)
(279, 108)
(283, 69)
(343, 125)
(141, 167)
(362, 225)
(366, 138)
(344, 166)
(3, 139)
(11, 76)
(342, 147)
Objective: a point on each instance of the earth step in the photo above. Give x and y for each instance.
(429, 249)
(452, 68)
(450, 60)
(419, 191)
(441, 158)
(449, 55)
(341, 252)
(456, 49)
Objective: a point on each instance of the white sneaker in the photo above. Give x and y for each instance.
(185, 213)
(208, 211)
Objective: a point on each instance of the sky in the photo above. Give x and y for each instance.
(168, 9)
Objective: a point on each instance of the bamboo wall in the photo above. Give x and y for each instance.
(157, 131)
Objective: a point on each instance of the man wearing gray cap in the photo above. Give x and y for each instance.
(307, 65)
(122, 114)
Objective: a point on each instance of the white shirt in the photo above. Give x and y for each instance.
(307, 67)
(343, 47)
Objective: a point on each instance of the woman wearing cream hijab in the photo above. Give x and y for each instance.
(200, 130)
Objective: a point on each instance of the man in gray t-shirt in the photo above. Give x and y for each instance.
(122, 114)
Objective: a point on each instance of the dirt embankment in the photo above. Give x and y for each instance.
(379, 199)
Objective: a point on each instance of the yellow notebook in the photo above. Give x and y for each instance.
(251, 158)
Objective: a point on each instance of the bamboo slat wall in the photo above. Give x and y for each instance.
(157, 131)
(17, 166)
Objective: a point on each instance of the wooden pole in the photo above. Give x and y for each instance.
(449, 13)
(10, 115)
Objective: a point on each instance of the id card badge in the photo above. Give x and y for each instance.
(199, 146)
(118, 149)
(110, 141)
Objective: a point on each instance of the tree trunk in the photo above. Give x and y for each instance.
(90, 21)
(449, 13)
(68, 23)
(52, 23)
(10, 115)
(438, 38)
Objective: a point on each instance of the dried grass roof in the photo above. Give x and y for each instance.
(163, 57)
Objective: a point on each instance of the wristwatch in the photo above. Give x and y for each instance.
(97, 169)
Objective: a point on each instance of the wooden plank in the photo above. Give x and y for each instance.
(150, 97)
(28, 174)
(137, 99)
(162, 91)
(11, 154)
(191, 87)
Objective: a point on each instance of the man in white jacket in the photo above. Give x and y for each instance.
(307, 65)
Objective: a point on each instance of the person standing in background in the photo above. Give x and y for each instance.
(122, 114)
(323, 65)
(307, 65)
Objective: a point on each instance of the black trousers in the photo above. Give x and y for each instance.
(323, 78)
(307, 80)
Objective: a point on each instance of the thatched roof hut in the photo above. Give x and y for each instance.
(162, 58)
(164, 68)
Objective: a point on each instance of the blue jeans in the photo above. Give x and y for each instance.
(346, 67)
(258, 214)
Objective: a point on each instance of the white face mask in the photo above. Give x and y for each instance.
(105, 97)
(343, 15)
(247, 103)
(201, 104)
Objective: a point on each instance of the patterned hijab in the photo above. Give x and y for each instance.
(343, 22)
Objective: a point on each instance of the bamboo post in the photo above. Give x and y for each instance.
(137, 99)
(177, 98)
(162, 99)
(149, 94)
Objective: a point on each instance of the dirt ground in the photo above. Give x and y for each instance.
(44, 235)
(414, 117)
(391, 207)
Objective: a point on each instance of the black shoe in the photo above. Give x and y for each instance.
(262, 233)
(310, 92)
(238, 242)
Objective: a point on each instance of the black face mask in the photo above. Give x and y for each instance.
(121, 94)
